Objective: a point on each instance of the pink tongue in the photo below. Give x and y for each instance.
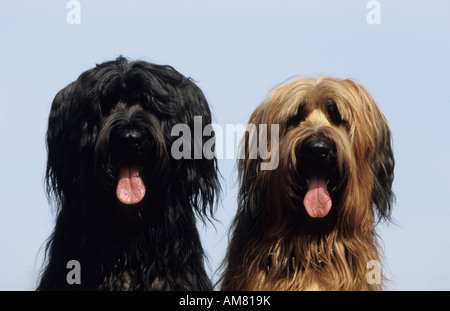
(317, 200)
(130, 188)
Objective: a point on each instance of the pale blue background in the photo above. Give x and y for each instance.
(237, 51)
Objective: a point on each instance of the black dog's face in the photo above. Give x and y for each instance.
(131, 152)
(109, 140)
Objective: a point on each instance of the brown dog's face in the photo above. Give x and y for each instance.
(334, 149)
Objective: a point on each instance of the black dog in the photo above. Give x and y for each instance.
(126, 209)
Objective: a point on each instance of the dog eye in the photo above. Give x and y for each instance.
(333, 112)
(297, 118)
(105, 107)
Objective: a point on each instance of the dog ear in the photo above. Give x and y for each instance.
(202, 180)
(68, 122)
(380, 149)
(382, 194)
(58, 141)
(249, 166)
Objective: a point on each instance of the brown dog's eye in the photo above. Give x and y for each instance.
(333, 113)
(298, 117)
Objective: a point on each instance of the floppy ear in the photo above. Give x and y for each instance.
(382, 194)
(379, 149)
(72, 114)
(60, 162)
(249, 165)
(202, 180)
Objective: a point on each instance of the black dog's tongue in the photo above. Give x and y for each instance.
(131, 187)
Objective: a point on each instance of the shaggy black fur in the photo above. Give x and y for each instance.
(117, 115)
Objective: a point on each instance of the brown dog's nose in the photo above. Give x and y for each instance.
(317, 150)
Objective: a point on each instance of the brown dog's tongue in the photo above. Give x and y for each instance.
(131, 187)
(317, 200)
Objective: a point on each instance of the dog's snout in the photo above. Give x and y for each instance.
(131, 136)
(317, 149)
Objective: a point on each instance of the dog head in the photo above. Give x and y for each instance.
(336, 161)
(109, 139)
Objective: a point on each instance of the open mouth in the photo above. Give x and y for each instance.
(317, 199)
(317, 178)
(130, 187)
(127, 154)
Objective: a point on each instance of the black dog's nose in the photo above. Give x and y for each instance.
(317, 149)
(130, 136)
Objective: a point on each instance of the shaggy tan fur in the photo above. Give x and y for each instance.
(270, 248)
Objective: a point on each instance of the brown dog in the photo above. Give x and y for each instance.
(310, 223)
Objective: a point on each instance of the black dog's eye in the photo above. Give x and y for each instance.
(298, 117)
(333, 112)
(105, 106)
